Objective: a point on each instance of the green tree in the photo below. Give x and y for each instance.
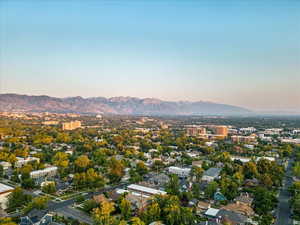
(211, 189)
(172, 187)
(137, 221)
(49, 188)
(102, 215)
(125, 207)
(18, 198)
(82, 161)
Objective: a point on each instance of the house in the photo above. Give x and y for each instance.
(37, 217)
(158, 180)
(138, 201)
(244, 198)
(224, 215)
(99, 198)
(197, 163)
(218, 196)
(211, 174)
(251, 182)
(202, 207)
(156, 223)
(240, 209)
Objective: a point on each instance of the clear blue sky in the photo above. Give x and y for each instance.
(245, 53)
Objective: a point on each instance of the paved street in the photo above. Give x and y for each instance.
(75, 214)
(283, 210)
(64, 207)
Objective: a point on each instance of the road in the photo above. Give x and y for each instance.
(64, 207)
(75, 214)
(283, 209)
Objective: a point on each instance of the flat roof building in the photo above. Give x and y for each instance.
(144, 190)
(5, 190)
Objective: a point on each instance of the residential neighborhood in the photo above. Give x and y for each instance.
(148, 170)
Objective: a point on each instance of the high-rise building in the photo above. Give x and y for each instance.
(71, 125)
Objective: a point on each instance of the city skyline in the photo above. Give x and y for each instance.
(239, 53)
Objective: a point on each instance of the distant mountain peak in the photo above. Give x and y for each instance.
(115, 105)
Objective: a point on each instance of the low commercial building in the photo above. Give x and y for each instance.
(144, 190)
(5, 190)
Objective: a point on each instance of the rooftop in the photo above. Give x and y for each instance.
(145, 189)
(212, 212)
(5, 188)
(212, 172)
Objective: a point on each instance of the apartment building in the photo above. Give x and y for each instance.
(47, 172)
(195, 131)
(71, 125)
(181, 172)
(243, 139)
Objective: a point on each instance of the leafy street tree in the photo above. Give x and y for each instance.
(102, 215)
(49, 188)
(82, 162)
(137, 221)
(211, 189)
(18, 198)
(60, 159)
(125, 207)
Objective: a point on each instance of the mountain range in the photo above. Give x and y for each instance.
(115, 105)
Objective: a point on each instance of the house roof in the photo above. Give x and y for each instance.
(203, 205)
(145, 189)
(232, 216)
(212, 172)
(212, 212)
(239, 208)
(5, 188)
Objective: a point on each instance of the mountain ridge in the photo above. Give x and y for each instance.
(114, 105)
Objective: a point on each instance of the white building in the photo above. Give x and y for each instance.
(144, 190)
(242, 159)
(47, 172)
(181, 172)
(248, 130)
(22, 162)
(290, 141)
(249, 146)
(5, 190)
